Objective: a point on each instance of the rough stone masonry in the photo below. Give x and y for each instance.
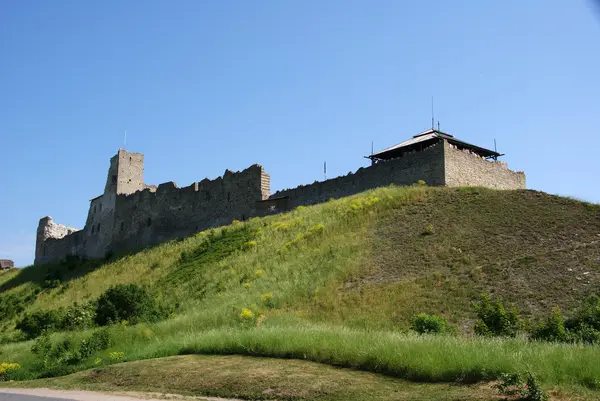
(131, 215)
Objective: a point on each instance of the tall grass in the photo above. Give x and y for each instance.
(414, 357)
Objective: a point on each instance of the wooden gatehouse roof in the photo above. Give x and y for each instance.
(427, 138)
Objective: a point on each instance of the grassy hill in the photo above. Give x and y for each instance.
(345, 268)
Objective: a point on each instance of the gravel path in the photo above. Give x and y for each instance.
(45, 394)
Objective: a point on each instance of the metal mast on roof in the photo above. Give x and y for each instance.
(432, 115)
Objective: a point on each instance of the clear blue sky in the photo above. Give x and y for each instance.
(204, 86)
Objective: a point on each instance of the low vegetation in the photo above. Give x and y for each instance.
(258, 378)
(423, 284)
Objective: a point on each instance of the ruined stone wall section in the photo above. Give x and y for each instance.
(149, 217)
(265, 182)
(465, 168)
(54, 241)
(426, 165)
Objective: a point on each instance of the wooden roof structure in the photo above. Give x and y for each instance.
(426, 139)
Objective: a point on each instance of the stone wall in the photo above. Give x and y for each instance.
(146, 217)
(131, 215)
(55, 241)
(426, 165)
(464, 168)
(99, 225)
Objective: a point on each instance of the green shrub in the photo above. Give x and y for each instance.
(584, 325)
(126, 302)
(10, 306)
(79, 316)
(585, 334)
(34, 324)
(534, 391)
(513, 384)
(495, 319)
(510, 384)
(429, 324)
(67, 352)
(99, 340)
(553, 329)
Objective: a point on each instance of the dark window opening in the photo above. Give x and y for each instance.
(130, 159)
(149, 222)
(100, 207)
(122, 226)
(98, 228)
(228, 196)
(94, 208)
(93, 229)
(114, 179)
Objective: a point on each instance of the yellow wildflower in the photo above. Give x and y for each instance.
(246, 314)
(6, 367)
(116, 356)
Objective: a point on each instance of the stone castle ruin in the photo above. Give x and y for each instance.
(130, 214)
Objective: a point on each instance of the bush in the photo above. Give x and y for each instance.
(553, 329)
(584, 326)
(79, 316)
(99, 340)
(62, 353)
(56, 357)
(495, 319)
(429, 324)
(126, 302)
(512, 384)
(10, 306)
(34, 324)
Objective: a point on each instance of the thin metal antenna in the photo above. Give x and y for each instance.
(325, 169)
(432, 115)
(495, 150)
(439, 125)
(371, 147)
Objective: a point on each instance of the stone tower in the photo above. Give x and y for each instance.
(125, 176)
(126, 173)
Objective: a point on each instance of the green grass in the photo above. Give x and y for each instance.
(258, 378)
(346, 277)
